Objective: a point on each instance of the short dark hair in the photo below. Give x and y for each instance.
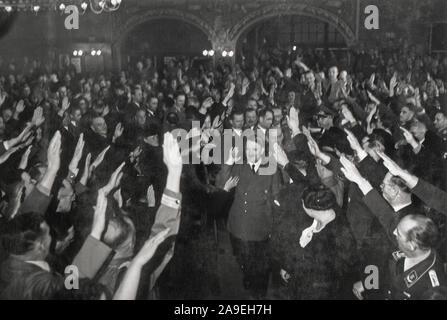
(236, 112)
(262, 112)
(319, 198)
(425, 233)
(21, 233)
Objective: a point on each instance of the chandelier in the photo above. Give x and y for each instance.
(100, 6)
(96, 6)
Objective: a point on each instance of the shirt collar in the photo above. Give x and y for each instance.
(238, 131)
(399, 207)
(257, 164)
(41, 264)
(412, 262)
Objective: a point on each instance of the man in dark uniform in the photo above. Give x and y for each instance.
(416, 267)
(250, 219)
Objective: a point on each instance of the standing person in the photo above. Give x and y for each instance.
(250, 219)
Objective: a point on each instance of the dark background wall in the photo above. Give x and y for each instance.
(34, 34)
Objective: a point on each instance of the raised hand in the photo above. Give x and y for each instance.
(409, 137)
(353, 141)
(119, 129)
(171, 153)
(5, 156)
(65, 104)
(149, 247)
(392, 166)
(99, 217)
(347, 114)
(73, 166)
(38, 117)
(99, 159)
(114, 181)
(24, 160)
(207, 103)
(279, 155)
(150, 196)
(53, 152)
(87, 171)
(350, 170)
(135, 154)
(231, 183)
(293, 121)
(20, 107)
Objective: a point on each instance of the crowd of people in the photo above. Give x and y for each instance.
(95, 185)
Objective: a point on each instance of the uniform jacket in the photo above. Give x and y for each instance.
(250, 217)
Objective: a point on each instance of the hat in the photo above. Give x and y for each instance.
(325, 111)
(319, 198)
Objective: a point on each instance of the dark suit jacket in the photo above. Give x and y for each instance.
(20, 280)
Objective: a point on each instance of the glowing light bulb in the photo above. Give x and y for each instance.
(211, 53)
(8, 9)
(80, 52)
(75, 53)
(98, 53)
(230, 54)
(205, 52)
(84, 5)
(93, 52)
(62, 7)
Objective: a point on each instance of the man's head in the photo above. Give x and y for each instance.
(415, 235)
(318, 201)
(75, 114)
(137, 94)
(65, 196)
(394, 190)
(180, 100)
(291, 97)
(140, 118)
(333, 73)
(325, 118)
(254, 150)
(252, 104)
(153, 104)
(265, 118)
(418, 129)
(99, 126)
(309, 78)
(98, 107)
(407, 113)
(237, 119)
(441, 120)
(277, 116)
(27, 235)
(250, 117)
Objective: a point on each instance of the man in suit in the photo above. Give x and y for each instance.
(250, 219)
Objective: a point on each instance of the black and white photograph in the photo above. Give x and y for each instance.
(223, 155)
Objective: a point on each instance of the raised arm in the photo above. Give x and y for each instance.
(432, 196)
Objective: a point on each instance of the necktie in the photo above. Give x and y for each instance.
(253, 168)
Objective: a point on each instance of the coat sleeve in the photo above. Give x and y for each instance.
(37, 201)
(167, 216)
(382, 210)
(91, 257)
(434, 197)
